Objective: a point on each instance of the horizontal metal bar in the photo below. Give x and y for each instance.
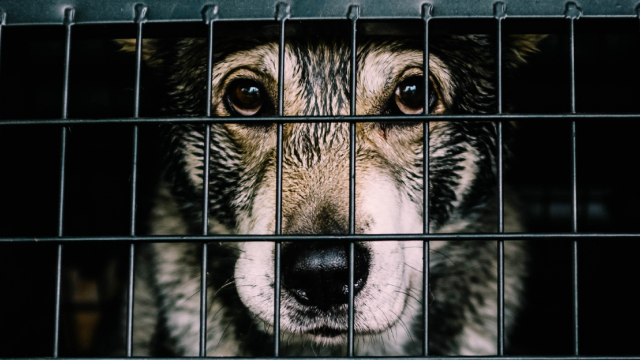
(319, 17)
(382, 358)
(357, 237)
(295, 119)
(23, 12)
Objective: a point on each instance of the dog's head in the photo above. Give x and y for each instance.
(315, 171)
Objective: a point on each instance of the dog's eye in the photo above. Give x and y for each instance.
(409, 96)
(245, 97)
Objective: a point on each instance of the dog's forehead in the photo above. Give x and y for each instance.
(317, 77)
(317, 71)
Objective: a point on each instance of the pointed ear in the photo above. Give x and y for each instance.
(149, 50)
(517, 48)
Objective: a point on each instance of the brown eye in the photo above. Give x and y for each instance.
(245, 97)
(410, 96)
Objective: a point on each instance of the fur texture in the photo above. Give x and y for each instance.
(462, 294)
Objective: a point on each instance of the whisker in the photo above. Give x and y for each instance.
(443, 255)
(409, 295)
(225, 331)
(227, 284)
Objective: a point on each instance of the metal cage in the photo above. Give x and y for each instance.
(67, 14)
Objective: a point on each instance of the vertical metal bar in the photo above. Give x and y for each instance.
(210, 14)
(354, 14)
(572, 57)
(141, 13)
(69, 13)
(427, 11)
(425, 301)
(277, 285)
(140, 18)
(574, 189)
(203, 292)
(282, 14)
(130, 300)
(574, 257)
(3, 17)
(573, 12)
(501, 297)
(68, 23)
(500, 14)
(56, 331)
(574, 200)
(63, 155)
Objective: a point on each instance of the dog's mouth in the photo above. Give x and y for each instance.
(332, 333)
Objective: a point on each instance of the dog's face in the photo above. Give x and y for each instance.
(315, 176)
(315, 173)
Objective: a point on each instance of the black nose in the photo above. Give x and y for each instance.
(318, 274)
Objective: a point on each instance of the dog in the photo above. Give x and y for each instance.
(315, 198)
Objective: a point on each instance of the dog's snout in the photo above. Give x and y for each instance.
(318, 274)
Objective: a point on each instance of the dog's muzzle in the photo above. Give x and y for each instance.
(317, 274)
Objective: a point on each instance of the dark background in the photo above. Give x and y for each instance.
(99, 163)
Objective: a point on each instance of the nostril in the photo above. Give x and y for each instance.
(318, 274)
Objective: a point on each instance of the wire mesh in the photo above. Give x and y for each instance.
(283, 14)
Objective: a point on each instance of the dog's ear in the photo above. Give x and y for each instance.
(517, 48)
(149, 50)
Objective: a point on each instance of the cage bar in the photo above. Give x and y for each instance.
(574, 257)
(56, 331)
(354, 14)
(68, 23)
(2, 22)
(130, 292)
(102, 12)
(282, 14)
(380, 358)
(573, 12)
(203, 294)
(427, 11)
(324, 119)
(210, 14)
(500, 14)
(330, 238)
(140, 11)
(132, 247)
